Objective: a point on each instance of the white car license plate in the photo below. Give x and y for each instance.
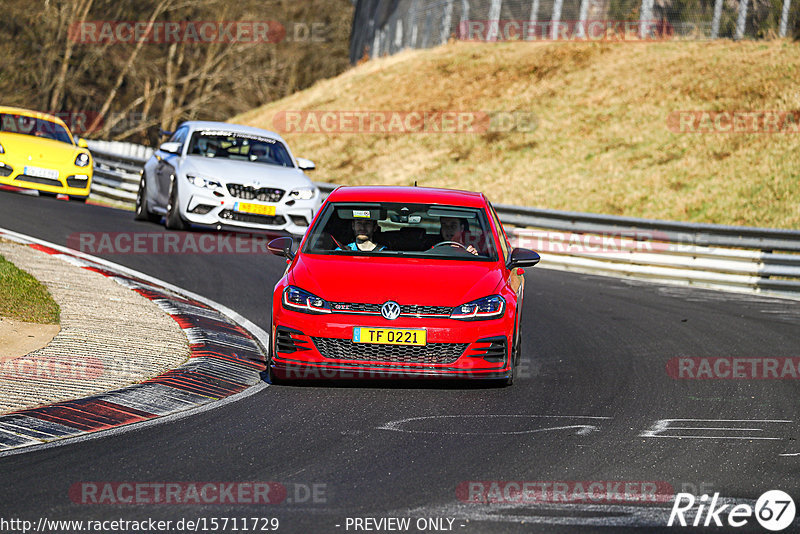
(257, 209)
(42, 173)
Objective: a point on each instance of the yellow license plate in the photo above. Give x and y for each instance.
(257, 209)
(390, 336)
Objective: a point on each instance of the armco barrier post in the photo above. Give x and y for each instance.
(645, 17)
(446, 18)
(534, 11)
(742, 20)
(582, 16)
(494, 20)
(715, 21)
(785, 17)
(557, 5)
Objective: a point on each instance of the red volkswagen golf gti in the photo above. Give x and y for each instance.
(399, 282)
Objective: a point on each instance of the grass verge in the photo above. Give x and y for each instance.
(24, 298)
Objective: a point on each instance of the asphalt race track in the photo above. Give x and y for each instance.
(591, 404)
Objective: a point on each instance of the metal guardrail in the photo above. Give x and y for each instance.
(116, 177)
(735, 258)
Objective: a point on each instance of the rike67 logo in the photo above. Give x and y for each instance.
(774, 511)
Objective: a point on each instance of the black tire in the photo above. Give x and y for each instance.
(142, 210)
(271, 378)
(510, 380)
(516, 355)
(174, 220)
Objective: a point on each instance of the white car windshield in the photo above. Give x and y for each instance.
(239, 146)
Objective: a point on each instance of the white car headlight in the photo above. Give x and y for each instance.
(303, 193)
(199, 181)
(82, 159)
(2, 150)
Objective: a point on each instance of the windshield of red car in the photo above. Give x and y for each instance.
(401, 229)
(239, 146)
(35, 126)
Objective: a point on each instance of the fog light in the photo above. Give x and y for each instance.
(299, 220)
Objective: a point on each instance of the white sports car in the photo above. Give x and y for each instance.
(222, 175)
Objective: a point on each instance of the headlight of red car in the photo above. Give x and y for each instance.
(301, 300)
(485, 308)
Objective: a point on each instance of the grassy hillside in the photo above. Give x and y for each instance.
(602, 143)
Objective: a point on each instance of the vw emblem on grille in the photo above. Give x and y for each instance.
(390, 310)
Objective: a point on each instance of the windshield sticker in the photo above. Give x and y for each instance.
(221, 133)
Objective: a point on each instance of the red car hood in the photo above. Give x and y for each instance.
(404, 280)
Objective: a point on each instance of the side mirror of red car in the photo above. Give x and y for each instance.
(522, 257)
(281, 246)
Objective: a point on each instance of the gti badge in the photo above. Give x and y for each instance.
(390, 310)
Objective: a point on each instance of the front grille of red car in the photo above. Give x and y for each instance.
(345, 349)
(406, 310)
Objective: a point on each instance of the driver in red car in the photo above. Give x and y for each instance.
(456, 230)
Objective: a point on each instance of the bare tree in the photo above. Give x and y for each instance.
(78, 15)
(112, 94)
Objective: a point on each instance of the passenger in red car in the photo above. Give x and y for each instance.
(364, 229)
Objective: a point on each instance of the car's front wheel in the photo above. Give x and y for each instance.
(174, 219)
(516, 355)
(271, 377)
(142, 210)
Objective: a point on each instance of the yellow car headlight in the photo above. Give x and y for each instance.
(82, 159)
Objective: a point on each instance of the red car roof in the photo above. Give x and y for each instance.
(420, 195)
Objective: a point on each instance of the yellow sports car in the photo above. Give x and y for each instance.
(37, 151)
